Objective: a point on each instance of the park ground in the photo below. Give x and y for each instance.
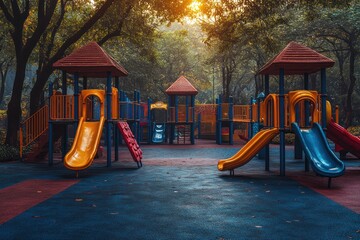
(178, 194)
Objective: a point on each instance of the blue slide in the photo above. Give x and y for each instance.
(314, 143)
(158, 133)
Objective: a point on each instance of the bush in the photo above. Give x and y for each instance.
(9, 153)
(354, 130)
(289, 138)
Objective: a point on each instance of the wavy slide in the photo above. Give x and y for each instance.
(343, 138)
(248, 151)
(85, 146)
(323, 160)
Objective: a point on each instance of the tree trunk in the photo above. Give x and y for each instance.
(2, 86)
(349, 109)
(223, 71)
(38, 88)
(14, 106)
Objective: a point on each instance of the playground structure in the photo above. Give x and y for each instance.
(176, 119)
(298, 112)
(182, 116)
(88, 111)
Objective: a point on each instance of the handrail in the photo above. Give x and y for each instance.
(33, 127)
(62, 107)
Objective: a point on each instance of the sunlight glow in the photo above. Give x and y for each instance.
(195, 6)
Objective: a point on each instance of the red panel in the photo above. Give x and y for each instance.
(20, 197)
(130, 141)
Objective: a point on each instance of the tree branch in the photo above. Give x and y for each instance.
(78, 34)
(6, 12)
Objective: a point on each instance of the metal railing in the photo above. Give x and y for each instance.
(33, 127)
(62, 107)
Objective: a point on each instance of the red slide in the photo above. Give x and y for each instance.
(343, 138)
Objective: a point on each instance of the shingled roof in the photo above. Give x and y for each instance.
(296, 59)
(91, 61)
(181, 86)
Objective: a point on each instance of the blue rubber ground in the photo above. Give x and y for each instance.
(176, 201)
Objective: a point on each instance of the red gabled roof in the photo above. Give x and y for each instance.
(181, 86)
(296, 59)
(91, 61)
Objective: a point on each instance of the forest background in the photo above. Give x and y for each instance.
(219, 45)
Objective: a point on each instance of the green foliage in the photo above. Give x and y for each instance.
(289, 139)
(354, 130)
(9, 153)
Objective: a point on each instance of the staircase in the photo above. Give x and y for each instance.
(33, 134)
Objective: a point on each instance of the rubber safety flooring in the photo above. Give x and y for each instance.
(177, 194)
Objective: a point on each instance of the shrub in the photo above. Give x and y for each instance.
(354, 130)
(289, 138)
(9, 153)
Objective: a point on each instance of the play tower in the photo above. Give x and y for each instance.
(181, 111)
(304, 112)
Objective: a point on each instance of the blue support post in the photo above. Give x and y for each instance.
(267, 147)
(64, 139)
(307, 120)
(262, 153)
(217, 121)
(199, 125)
(108, 120)
(172, 104)
(76, 100)
(85, 81)
(176, 108)
(323, 98)
(187, 109)
(307, 107)
(122, 107)
(231, 120)
(220, 120)
(149, 122)
(297, 143)
(267, 85)
(51, 143)
(282, 120)
(251, 118)
(135, 114)
(138, 106)
(192, 130)
(116, 132)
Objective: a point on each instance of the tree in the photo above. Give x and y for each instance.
(39, 23)
(6, 60)
(17, 15)
(340, 29)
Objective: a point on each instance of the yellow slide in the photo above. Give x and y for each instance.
(85, 146)
(250, 149)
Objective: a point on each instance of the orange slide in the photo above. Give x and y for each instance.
(250, 149)
(85, 146)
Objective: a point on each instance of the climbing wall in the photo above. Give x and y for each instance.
(131, 142)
